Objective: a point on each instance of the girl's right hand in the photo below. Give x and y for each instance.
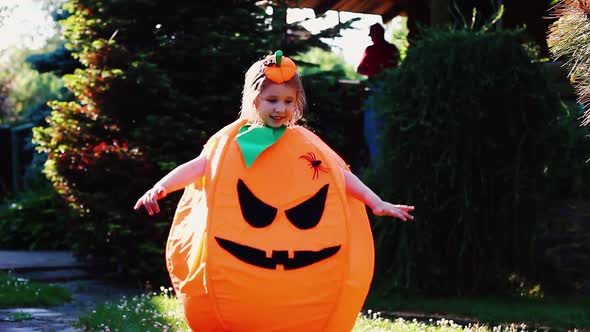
(150, 200)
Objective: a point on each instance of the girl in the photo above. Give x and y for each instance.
(271, 233)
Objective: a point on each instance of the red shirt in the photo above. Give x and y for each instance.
(376, 57)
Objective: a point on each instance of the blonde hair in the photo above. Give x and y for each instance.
(254, 82)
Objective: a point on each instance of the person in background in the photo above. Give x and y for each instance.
(377, 57)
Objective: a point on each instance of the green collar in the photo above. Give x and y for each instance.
(254, 140)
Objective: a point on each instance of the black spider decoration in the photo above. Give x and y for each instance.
(314, 163)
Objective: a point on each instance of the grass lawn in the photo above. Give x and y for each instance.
(146, 313)
(17, 292)
(560, 314)
(161, 312)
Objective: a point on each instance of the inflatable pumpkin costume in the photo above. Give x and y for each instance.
(271, 242)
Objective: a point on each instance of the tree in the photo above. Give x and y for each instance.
(6, 113)
(28, 89)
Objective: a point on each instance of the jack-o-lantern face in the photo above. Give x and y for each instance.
(283, 213)
(258, 214)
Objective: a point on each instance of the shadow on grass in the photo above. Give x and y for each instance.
(547, 314)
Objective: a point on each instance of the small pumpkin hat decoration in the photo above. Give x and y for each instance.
(280, 69)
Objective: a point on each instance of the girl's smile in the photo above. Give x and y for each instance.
(276, 104)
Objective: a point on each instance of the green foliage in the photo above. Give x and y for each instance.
(334, 96)
(59, 62)
(376, 322)
(467, 121)
(35, 220)
(399, 35)
(481, 17)
(317, 60)
(566, 313)
(335, 114)
(147, 312)
(25, 101)
(18, 292)
(31, 89)
(567, 172)
(7, 113)
(28, 89)
(59, 59)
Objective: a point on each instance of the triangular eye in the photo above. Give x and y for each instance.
(308, 214)
(257, 213)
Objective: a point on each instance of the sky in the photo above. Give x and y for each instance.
(353, 42)
(29, 26)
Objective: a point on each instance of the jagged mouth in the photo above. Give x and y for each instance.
(257, 257)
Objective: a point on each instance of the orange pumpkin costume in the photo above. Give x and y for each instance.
(279, 246)
(268, 239)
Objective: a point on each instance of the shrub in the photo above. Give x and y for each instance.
(335, 114)
(334, 96)
(567, 173)
(35, 220)
(466, 121)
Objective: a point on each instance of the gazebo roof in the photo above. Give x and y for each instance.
(388, 9)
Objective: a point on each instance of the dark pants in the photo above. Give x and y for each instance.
(373, 123)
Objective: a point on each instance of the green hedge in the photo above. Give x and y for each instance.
(335, 114)
(467, 118)
(35, 220)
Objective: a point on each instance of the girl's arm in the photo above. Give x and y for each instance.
(360, 191)
(177, 179)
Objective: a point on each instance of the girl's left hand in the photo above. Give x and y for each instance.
(383, 208)
(149, 200)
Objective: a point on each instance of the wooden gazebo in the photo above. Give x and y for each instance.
(532, 15)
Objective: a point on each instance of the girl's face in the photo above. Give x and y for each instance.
(276, 103)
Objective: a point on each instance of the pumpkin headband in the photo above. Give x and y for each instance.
(278, 68)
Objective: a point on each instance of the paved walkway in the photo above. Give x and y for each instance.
(60, 268)
(42, 320)
(18, 259)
